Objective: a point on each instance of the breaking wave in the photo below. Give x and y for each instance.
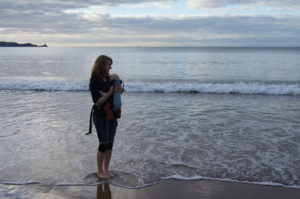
(163, 87)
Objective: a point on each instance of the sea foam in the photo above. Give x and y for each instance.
(163, 87)
(221, 88)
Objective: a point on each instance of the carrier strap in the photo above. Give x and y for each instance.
(91, 116)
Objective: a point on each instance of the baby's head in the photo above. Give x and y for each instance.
(114, 76)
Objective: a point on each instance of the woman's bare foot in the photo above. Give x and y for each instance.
(103, 175)
(112, 174)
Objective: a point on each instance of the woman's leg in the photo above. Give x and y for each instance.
(100, 124)
(112, 128)
(113, 124)
(100, 159)
(107, 158)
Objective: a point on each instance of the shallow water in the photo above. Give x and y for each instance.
(230, 114)
(252, 138)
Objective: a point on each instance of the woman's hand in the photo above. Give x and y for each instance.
(105, 96)
(111, 90)
(118, 88)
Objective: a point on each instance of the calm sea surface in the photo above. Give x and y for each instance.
(229, 114)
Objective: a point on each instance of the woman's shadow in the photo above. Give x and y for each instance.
(103, 191)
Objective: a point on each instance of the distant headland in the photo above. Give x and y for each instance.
(15, 44)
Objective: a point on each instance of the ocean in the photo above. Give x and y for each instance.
(219, 113)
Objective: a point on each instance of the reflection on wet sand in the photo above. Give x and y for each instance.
(103, 191)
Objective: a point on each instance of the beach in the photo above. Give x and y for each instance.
(195, 121)
(169, 189)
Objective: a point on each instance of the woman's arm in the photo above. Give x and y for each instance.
(105, 97)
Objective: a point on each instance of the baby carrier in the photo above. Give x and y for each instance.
(117, 103)
(112, 107)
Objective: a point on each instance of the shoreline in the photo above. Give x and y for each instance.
(171, 188)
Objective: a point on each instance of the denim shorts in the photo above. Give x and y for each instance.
(106, 129)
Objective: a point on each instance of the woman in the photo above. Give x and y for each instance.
(102, 90)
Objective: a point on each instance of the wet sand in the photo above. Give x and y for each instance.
(169, 189)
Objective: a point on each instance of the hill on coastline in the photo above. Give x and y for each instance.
(15, 44)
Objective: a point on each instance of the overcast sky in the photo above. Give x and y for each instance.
(151, 22)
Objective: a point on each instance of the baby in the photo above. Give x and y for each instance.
(118, 90)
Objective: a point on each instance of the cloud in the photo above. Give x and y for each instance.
(206, 4)
(149, 30)
(67, 4)
(50, 15)
(71, 22)
(164, 5)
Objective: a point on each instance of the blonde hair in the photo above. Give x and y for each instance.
(99, 66)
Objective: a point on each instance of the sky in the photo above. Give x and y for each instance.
(151, 22)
